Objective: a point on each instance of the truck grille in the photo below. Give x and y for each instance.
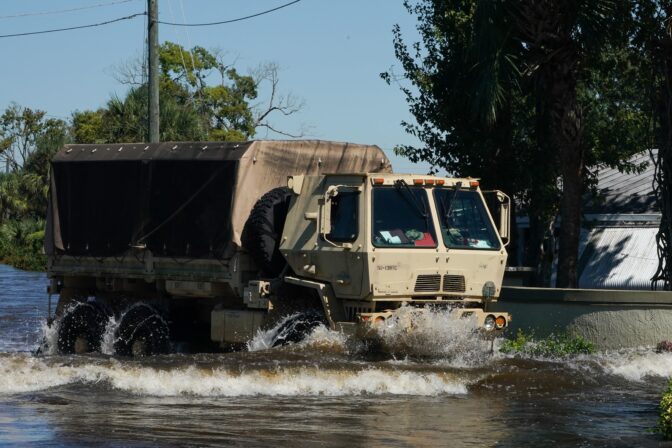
(454, 283)
(427, 283)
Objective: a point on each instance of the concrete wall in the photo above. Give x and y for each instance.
(610, 319)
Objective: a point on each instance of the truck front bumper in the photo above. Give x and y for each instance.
(489, 323)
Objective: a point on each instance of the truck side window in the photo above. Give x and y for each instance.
(344, 217)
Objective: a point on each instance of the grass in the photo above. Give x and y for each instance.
(552, 346)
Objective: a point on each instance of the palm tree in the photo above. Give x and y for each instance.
(558, 36)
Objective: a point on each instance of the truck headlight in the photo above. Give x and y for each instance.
(489, 323)
(489, 290)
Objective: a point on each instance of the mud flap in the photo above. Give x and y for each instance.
(333, 307)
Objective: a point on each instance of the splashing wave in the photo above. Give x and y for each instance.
(20, 373)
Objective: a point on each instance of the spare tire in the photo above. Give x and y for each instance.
(263, 231)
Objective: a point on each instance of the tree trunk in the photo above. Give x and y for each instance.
(566, 135)
(663, 166)
(570, 230)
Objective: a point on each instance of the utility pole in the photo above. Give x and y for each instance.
(153, 43)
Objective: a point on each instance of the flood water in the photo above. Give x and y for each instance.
(325, 391)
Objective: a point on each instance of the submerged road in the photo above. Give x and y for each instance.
(326, 391)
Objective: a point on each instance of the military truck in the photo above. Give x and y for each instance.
(200, 244)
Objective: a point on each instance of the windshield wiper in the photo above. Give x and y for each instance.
(419, 205)
(446, 216)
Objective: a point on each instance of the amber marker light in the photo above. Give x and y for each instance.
(500, 322)
(429, 181)
(440, 182)
(473, 183)
(417, 181)
(378, 181)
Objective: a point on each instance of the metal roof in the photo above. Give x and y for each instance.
(625, 192)
(619, 258)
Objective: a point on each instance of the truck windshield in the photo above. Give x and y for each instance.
(465, 223)
(402, 217)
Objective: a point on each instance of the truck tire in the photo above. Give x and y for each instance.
(295, 313)
(81, 328)
(142, 332)
(263, 231)
(297, 327)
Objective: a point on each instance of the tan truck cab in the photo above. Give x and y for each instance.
(375, 242)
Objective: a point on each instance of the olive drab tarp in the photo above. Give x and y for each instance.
(185, 199)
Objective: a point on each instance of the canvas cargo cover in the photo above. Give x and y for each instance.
(187, 199)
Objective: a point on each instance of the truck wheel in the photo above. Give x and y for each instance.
(142, 332)
(297, 327)
(81, 328)
(263, 231)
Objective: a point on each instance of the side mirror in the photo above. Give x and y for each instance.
(504, 217)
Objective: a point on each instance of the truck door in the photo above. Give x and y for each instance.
(341, 249)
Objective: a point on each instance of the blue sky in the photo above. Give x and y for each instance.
(330, 54)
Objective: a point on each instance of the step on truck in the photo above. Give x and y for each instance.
(198, 245)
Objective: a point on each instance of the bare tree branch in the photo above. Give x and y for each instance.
(267, 75)
(130, 72)
(300, 134)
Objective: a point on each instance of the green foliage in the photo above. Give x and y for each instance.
(30, 142)
(87, 126)
(552, 346)
(191, 108)
(21, 244)
(665, 418)
(524, 96)
(24, 131)
(126, 120)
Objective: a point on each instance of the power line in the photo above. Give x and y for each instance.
(191, 53)
(61, 11)
(30, 33)
(132, 16)
(186, 72)
(231, 20)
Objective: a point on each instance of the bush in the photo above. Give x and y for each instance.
(665, 419)
(21, 244)
(554, 345)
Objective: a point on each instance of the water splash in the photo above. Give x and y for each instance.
(633, 364)
(109, 336)
(320, 338)
(24, 373)
(425, 333)
(434, 333)
(326, 340)
(49, 344)
(267, 338)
